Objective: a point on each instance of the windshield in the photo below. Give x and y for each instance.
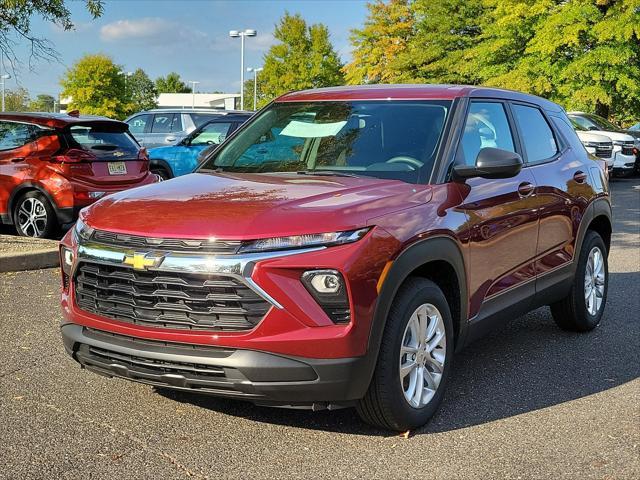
(105, 142)
(393, 140)
(594, 122)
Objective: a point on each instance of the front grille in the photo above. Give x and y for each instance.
(604, 150)
(224, 247)
(166, 299)
(165, 373)
(627, 148)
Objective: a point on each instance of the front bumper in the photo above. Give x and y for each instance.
(259, 377)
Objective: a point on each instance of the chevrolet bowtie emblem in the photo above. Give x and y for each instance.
(118, 153)
(142, 261)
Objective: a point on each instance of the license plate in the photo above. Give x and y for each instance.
(117, 168)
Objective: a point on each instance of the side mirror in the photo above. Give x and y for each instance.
(491, 163)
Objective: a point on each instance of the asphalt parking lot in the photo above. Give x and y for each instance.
(528, 401)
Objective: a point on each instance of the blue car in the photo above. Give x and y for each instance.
(184, 157)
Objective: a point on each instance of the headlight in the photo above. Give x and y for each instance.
(304, 241)
(82, 230)
(619, 142)
(591, 144)
(68, 258)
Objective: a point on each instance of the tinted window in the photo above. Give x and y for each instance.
(395, 140)
(212, 134)
(163, 122)
(103, 141)
(14, 135)
(176, 123)
(486, 126)
(138, 124)
(537, 137)
(202, 118)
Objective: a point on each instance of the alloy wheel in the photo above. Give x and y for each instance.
(594, 281)
(32, 217)
(422, 355)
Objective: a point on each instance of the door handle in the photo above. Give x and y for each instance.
(580, 176)
(17, 159)
(170, 139)
(525, 189)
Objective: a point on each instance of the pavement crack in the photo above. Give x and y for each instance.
(141, 443)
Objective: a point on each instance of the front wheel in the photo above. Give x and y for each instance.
(582, 309)
(414, 360)
(34, 216)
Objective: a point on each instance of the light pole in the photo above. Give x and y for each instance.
(235, 34)
(4, 78)
(125, 74)
(255, 85)
(193, 93)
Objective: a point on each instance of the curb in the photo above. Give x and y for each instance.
(33, 260)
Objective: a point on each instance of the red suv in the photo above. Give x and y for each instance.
(52, 165)
(340, 246)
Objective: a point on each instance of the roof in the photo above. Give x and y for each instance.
(411, 92)
(53, 120)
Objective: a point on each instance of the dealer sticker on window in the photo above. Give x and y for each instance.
(117, 168)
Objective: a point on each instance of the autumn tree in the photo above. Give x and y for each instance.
(172, 83)
(95, 87)
(386, 33)
(16, 100)
(303, 58)
(15, 25)
(141, 92)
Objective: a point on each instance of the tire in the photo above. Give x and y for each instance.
(34, 216)
(574, 313)
(162, 172)
(386, 403)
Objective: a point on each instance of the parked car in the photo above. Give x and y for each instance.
(634, 131)
(597, 145)
(623, 143)
(183, 158)
(52, 165)
(162, 127)
(346, 267)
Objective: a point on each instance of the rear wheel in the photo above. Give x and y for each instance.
(34, 216)
(582, 309)
(161, 172)
(414, 359)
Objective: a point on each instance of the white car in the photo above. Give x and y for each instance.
(623, 144)
(599, 145)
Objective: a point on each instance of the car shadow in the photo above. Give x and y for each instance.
(527, 365)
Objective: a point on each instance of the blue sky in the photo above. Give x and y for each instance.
(186, 36)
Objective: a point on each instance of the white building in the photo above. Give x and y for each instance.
(224, 101)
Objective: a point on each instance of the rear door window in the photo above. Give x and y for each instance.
(15, 135)
(202, 118)
(536, 134)
(138, 124)
(163, 122)
(103, 141)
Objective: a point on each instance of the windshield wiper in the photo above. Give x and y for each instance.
(327, 173)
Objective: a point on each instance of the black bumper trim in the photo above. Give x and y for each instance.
(256, 376)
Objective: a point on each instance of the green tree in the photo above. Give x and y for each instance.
(16, 100)
(386, 33)
(172, 83)
(42, 103)
(95, 87)
(303, 58)
(15, 25)
(141, 92)
(248, 94)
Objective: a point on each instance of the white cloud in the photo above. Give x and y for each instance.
(149, 31)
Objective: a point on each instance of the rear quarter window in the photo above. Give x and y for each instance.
(103, 141)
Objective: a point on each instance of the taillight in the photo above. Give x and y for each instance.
(143, 154)
(73, 155)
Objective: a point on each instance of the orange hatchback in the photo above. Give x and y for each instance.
(52, 165)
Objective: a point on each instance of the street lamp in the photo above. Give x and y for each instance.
(255, 85)
(125, 74)
(193, 92)
(4, 78)
(235, 34)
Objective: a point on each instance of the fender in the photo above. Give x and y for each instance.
(438, 248)
(600, 207)
(161, 163)
(18, 191)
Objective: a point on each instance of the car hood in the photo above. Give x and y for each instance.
(248, 206)
(585, 136)
(615, 136)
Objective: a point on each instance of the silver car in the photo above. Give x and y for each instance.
(161, 127)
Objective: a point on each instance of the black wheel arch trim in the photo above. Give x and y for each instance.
(23, 188)
(600, 207)
(159, 162)
(437, 248)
